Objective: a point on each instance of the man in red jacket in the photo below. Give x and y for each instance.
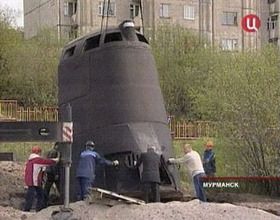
(33, 178)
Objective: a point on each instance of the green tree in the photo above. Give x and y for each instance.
(183, 64)
(240, 92)
(35, 83)
(243, 95)
(9, 39)
(28, 68)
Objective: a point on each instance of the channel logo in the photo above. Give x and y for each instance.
(251, 23)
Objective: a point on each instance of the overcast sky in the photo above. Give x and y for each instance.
(17, 5)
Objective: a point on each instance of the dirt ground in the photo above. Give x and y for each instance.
(11, 184)
(245, 207)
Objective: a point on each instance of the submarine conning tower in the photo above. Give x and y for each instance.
(110, 80)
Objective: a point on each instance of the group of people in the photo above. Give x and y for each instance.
(40, 174)
(197, 167)
(43, 173)
(89, 158)
(37, 167)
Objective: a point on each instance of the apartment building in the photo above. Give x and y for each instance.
(218, 21)
(273, 30)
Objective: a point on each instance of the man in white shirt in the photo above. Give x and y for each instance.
(193, 163)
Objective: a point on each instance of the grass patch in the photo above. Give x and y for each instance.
(22, 150)
(227, 160)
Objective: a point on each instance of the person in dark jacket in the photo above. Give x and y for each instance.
(34, 176)
(85, 173)
(150, 174)
(209, 162)
(52, 175)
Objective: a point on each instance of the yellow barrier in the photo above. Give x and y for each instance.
(37, 114)
(8, 109)
(180, 129)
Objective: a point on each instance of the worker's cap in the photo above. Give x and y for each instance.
(90, 143)
(209, 144)
(36, 149)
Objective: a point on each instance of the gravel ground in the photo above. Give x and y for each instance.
(9, 213)
(193, 210)
(12, 191)
(11, 184)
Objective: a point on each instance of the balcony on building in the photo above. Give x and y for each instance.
(70, 12)
(274, 6)
(273, 26)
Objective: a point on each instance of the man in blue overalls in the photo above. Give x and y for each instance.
(85, 174)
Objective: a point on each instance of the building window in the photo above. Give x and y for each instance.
(109, 8)
(229, 44)
(273, 41)
(272, 22)
(229, 18)
(134, 10)
(188, 12)
(271, 1)
(70, 8)
(164, 11)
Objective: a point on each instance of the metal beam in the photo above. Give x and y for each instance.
(30, 131)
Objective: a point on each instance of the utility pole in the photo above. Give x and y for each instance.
(68, 161)
(66, 149)
(242, 31)
(59, 21)
(213, 22)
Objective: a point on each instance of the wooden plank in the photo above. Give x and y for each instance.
(118, 196)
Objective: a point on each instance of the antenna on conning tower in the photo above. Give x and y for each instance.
(103, 9)
(108, 8)
(142, 18)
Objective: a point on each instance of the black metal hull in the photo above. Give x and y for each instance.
(117, 102)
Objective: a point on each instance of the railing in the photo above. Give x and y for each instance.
(37, 114)
(181, 129)
(8, 109)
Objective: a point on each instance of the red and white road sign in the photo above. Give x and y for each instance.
(251, 23)
(67, 132)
